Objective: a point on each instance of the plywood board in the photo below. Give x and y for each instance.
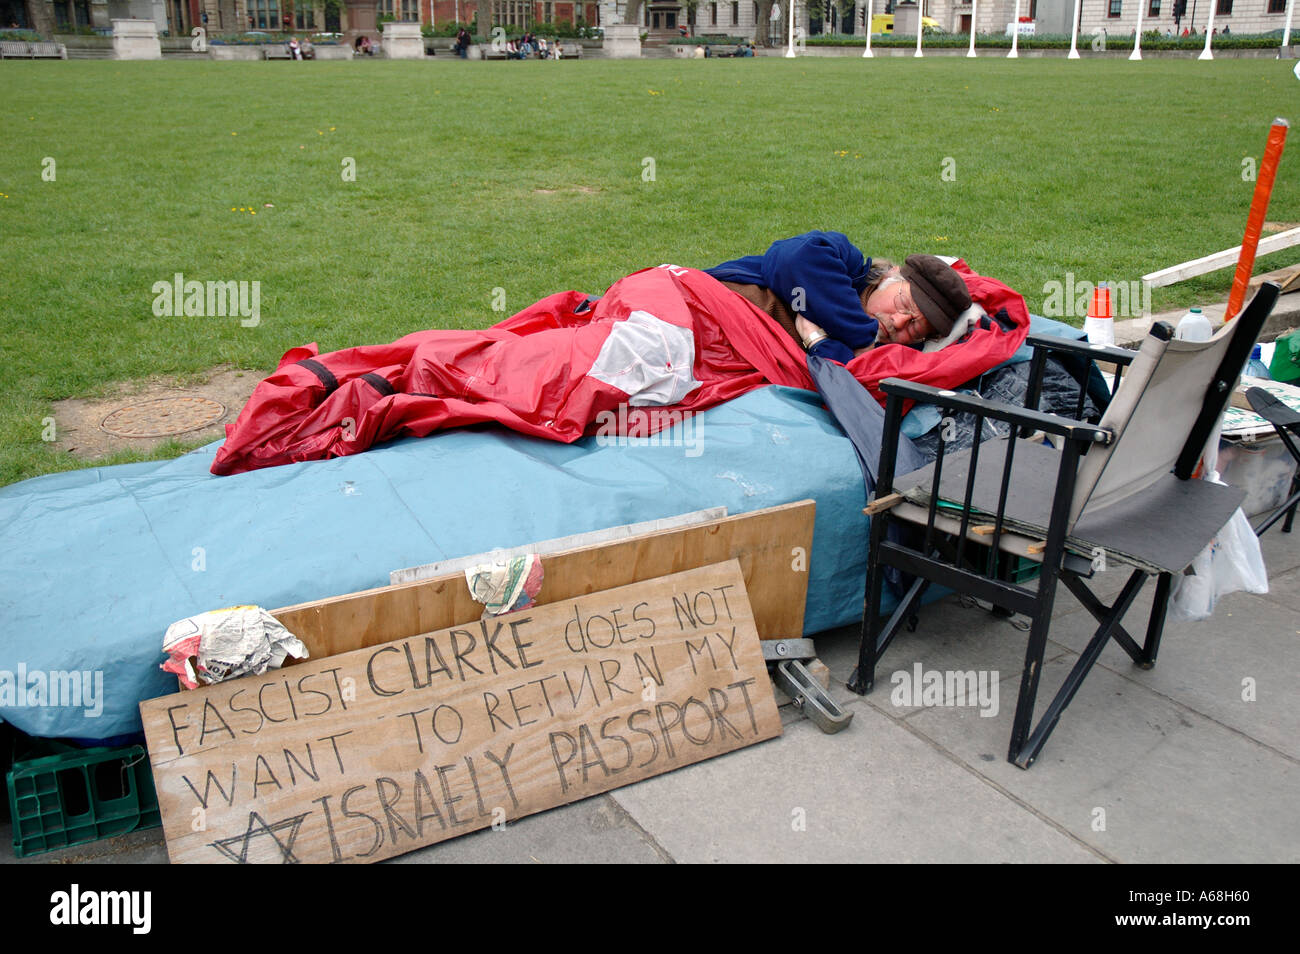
(773, 546)
(574, 541)
(376, 752)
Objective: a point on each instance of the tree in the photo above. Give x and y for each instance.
(761, 24)
(689, 7)
(39, 17)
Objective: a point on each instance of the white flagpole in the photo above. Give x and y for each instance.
(1207, 53)
(974, 12)
(1074, 33)
(867, 52)
(920, 12)
(1137, 35)
(1286, 33)
(789, 50)
(1015, 34)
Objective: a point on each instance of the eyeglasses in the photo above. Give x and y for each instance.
(904, 304)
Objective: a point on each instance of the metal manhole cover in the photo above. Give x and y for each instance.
(163, 417)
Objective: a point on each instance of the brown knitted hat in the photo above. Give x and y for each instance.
(937, 289)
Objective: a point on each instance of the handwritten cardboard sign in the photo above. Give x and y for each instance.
(376, 752)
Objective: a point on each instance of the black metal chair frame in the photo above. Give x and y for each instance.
(1286, 423)
(951, 559)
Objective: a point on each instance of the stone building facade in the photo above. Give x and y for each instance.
(1116, 17)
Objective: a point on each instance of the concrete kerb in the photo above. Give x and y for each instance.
(1129, 332)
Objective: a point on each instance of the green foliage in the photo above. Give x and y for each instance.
(243, 39)
(1091, 168)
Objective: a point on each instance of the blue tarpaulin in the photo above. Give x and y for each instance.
(99, 562)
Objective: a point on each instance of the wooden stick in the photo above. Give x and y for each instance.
(883, 504)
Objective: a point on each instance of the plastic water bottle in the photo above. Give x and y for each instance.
(1194, 326)
(1255, 367)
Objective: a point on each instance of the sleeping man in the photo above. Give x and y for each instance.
(838, 303)
(661, 341)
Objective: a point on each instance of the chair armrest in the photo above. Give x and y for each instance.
(998, 411)
(1081, 350)
(1117, 356)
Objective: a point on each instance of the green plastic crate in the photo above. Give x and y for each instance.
(80, 796)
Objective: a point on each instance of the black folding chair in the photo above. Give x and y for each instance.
(1287, 424)
(1117, 491)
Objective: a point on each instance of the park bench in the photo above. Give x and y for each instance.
(720, 50)
(275, 53)
(40, 50)
(570, 51)
(485, 51)
(49, 51)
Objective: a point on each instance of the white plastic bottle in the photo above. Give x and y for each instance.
(1194, 326)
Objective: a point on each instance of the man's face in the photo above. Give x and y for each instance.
(901, 322)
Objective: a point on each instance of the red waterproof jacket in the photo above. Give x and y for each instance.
(660, 342)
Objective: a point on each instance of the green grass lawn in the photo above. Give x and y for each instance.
(531, 178)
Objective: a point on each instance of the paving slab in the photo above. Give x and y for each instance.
(1239, 667)
(593, 831)
(950, 637)
(1167, 784)
(1281, 550)
(874, 792)
(1284, 589)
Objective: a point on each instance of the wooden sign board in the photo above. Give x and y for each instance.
(379, 751)
(773, 545)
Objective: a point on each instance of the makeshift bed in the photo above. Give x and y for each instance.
(101, 561)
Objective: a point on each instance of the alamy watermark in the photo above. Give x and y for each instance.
(1071, 299)
(78, 906)
(946, 687)
(36, 688)
(195, 299)
(632, 427)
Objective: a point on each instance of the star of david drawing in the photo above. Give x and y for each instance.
(257, 826)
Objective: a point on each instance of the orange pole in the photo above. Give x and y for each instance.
(1255, 221)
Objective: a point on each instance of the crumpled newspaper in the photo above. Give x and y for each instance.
(505, 585)
(226, 643)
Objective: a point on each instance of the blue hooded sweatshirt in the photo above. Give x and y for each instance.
(825, 274)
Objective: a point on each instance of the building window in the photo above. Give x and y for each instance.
(713, 14)
(1277, 6)
(1113, 10)
(263, 14)
(735, 12)
(1224, 8)
(383, 9)
(755, 11)
(511, 12)
(1153, 8)
(304, 16)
